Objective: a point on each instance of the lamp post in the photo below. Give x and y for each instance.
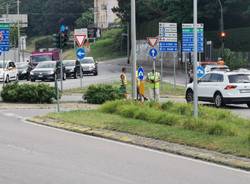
(222, 34)
(18, 30)
(195, 83)
(133, 50)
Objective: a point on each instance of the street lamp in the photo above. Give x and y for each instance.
(222, 33)
(18, 30)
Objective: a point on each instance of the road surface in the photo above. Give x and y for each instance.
(35, 154)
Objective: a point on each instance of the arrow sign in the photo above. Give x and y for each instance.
(140, 73)
(200, 72)
(80, 54)
(152, 41)
(80, 40)
(153, 53)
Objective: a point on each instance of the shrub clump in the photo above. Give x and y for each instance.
(28, 93)
(99, 94)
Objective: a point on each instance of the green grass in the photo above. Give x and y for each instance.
(166, 89)
(126, 117)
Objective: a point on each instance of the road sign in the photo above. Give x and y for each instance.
(200, 72)
(80, 54)
(62, 28)
(82, 31)
(152, 41)
(168, 37)
(188, 37)
(153, 53)
(80, 40)
(5, 36)
(140, 73)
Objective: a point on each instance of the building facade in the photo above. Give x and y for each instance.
(103, 15)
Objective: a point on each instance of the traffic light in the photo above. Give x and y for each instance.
(64, 39)
(223, 35)
(57, 40)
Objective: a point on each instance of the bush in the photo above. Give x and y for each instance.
(98, 94)
(28, 93)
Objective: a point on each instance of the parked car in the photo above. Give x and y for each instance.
(222, 88)
(72, 68)
(8, 71)
(47, 70)
(89, 66)
(22, 70)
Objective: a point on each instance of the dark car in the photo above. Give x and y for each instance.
(22, 70)
(48, 70)
(89, 66)
(72, 68)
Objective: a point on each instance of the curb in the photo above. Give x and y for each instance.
(182, 150)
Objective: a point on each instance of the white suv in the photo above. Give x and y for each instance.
(8, 71)
(222, 88)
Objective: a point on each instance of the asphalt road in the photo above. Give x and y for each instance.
(36, 154)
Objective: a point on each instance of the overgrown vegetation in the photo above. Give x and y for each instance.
(98, 94)
(28, 93)
(215, 129)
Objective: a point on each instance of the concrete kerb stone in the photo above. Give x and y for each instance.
(183, 150)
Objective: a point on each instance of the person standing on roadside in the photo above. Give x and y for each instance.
(154, 78)
(124, 82)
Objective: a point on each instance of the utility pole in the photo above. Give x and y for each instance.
(133, 51)
(195, 60)
(18, 30)
(221, 28)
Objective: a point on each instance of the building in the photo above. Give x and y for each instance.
(103, 15)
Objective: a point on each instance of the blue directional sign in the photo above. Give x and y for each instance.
(153, 53)
(140, 73)
(200, 72)
(4, 37)
(80, 54)
(62, 28)
(188, 38)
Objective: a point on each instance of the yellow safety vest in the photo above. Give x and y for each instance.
(153, 78)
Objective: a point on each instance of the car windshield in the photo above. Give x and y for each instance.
(69, 63)
(41, 58)
(21, 65)
(239, 78)
(87, 61)
(46, 65)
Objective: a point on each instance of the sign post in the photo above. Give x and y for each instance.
(80, 55)
(168, 41)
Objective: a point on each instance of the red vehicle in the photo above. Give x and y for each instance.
(40, 56)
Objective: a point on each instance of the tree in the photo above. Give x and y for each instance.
(85, 20)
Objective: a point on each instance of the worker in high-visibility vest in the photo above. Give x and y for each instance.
(124, 82)
(154, 79)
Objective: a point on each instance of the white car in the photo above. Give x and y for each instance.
(222, 88)
(8, 71)
(210, 68)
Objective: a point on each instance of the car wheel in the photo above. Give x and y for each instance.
(75, 75)
(218, 100)
(95, 73)
(7, 80)
(189, 96)
(64, 76)
(248, 104)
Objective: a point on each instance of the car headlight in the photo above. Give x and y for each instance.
(92, 67)
(72, 70)
(31, 73)
(51, 72)
(24, 72)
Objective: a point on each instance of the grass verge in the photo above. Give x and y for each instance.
(216, 130)
(166, 89)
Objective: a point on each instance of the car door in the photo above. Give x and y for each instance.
(215, 83)
(203, 86)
